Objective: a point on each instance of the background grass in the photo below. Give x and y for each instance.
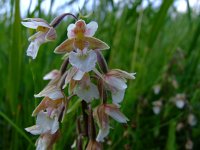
(159, 43)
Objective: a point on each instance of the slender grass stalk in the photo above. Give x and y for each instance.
(18, 129)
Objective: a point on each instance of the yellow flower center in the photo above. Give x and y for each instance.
(42, 29)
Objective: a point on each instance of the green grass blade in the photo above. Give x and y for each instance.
(18, 129)
(159, 21)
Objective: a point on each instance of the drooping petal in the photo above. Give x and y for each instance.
(96, 44)
(72, 86)
(33, 23)
(66, 46)
(52, 92)
(114, 112)
(84, 62)
(51, 34)
(70, 31)
(117, 96)
(51, 75)
(87, 92)
(94, 145)
(39, 36)
(45, 141)
(103, 132)
(35, 130)
(35, 19)
(91, 28)
(71, 72)
(117, 83)
(78, 75)
(33, 49)
(46, 123)
(47, 103)
(42, 143)
(121, 74)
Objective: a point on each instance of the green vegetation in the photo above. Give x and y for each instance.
(160, 44)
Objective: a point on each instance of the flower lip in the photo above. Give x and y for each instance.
(44, 124)
(85, 61)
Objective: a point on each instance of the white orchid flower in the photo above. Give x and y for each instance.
(102, 114)
(45, 33)
(44, 124)
(86, 90)
(115, 81)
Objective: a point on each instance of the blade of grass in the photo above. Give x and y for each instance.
(18, 129)
(171, 140)
(15, 57)
(159, 21)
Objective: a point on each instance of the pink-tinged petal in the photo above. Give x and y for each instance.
(47, 103)
(33, 23)
(84, 62)
(42, 143)
(33, 49)
(78, 75)
(117, 96)
(69, 75)
(117, 83)
(46, 141)
(35, 130)
(80, 28)
(55, 94)
(87, 92)
(96, 44)
(52, 92)
(51, 34)
(113, 111)
(121, 74)
(70, 31)
(103, 132)
(66, 46)
(52, 75)
(91, 28)
(93, 145)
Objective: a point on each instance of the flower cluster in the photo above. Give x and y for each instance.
(86, 75)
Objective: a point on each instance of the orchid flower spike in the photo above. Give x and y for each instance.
(45, 33)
